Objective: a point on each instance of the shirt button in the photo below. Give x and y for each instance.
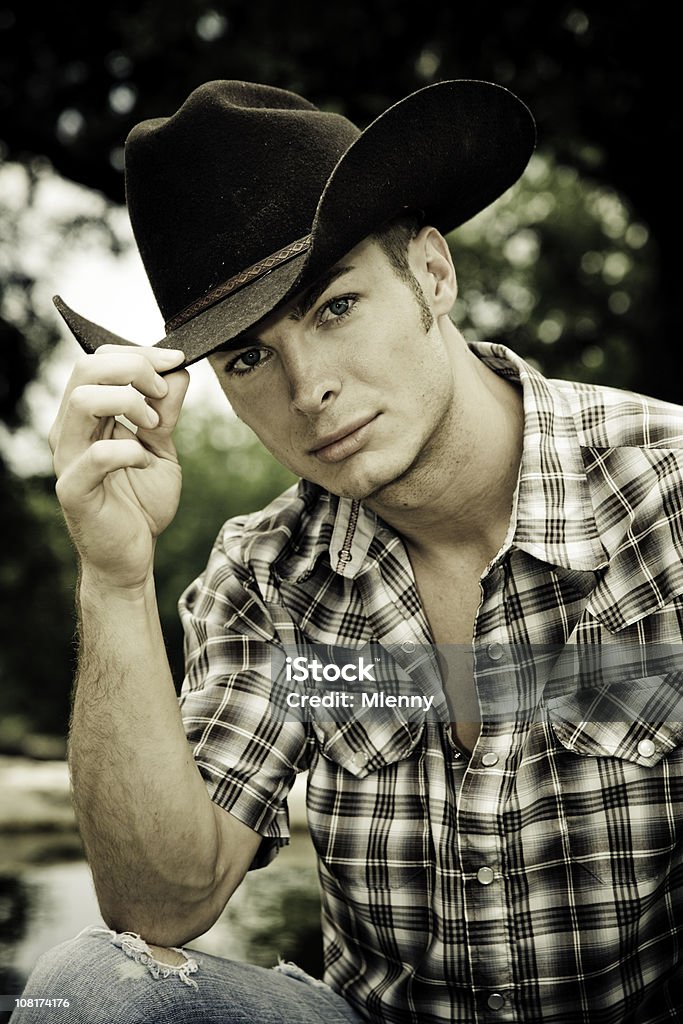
(646, 748)
(496, 1001)
(495, 652)
(485, 876)
(344, 555)
(359, 759)
(489, 759)
(408, 647)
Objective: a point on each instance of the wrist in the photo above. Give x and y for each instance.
(97, 586)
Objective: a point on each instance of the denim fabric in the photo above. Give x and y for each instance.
(107, 977)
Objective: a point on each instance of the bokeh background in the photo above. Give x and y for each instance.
(577, 268)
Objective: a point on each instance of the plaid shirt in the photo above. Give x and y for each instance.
(540, 879)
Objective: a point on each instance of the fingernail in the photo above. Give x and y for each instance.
(152, 416)
(161, 387)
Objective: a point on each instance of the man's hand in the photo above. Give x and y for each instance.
(119, 489)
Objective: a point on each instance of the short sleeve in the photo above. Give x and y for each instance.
(248, 754)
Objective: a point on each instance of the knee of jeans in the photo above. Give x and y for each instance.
(158, 961)
(105, 955)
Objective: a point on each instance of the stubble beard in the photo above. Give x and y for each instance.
(408, 487)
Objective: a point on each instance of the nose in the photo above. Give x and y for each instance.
(313, 381)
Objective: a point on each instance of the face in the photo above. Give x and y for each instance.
(344, 385)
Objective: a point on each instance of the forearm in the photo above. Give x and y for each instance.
(148, 825)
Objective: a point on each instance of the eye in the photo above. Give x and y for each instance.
(247, 361)
(252, 357)
(337, 309)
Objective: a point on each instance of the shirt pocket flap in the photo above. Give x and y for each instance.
(370, 741)
(382, 720)
(637, 720)
(364, 708)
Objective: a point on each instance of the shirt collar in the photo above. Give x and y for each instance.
(553, 512)
(340, 527)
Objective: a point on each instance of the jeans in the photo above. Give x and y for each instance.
(105, 977)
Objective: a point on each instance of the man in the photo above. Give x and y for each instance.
(502, 840)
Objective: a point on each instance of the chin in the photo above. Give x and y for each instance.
(356, 489)
(378, 483)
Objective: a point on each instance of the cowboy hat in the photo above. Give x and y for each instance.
(248, 193)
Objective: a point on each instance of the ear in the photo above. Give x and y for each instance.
(434, 268)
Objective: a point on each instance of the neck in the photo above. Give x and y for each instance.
(457, 497)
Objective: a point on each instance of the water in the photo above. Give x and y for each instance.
(47, 896)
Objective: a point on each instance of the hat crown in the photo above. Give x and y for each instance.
(233, 176)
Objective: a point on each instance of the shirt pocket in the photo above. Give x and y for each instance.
(619, 764)
(366, 795)
(371, 722)
(367, 792)
(369, 742)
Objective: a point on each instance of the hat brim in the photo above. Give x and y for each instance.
(209, 330)
(448, 150)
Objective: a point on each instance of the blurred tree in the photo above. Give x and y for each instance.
(556, 225)
(37, 577)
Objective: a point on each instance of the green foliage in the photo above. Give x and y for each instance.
(37, 579)
(560, 270)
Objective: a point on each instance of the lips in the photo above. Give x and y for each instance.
(343, 442)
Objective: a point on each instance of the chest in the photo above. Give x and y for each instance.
(450, 599)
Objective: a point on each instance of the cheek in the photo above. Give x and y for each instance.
(241, 402)
(269, 425)
(420, 366)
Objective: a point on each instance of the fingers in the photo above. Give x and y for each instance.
(89, 415)
(117, 382)
(157, 436)
(117, 366)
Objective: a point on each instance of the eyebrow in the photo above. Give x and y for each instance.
(299, 310)
(312, 294)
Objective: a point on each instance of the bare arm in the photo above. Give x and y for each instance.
(164, 858)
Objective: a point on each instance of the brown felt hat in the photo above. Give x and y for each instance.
(248, 193)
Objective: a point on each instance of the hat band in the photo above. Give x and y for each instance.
(233, 284)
